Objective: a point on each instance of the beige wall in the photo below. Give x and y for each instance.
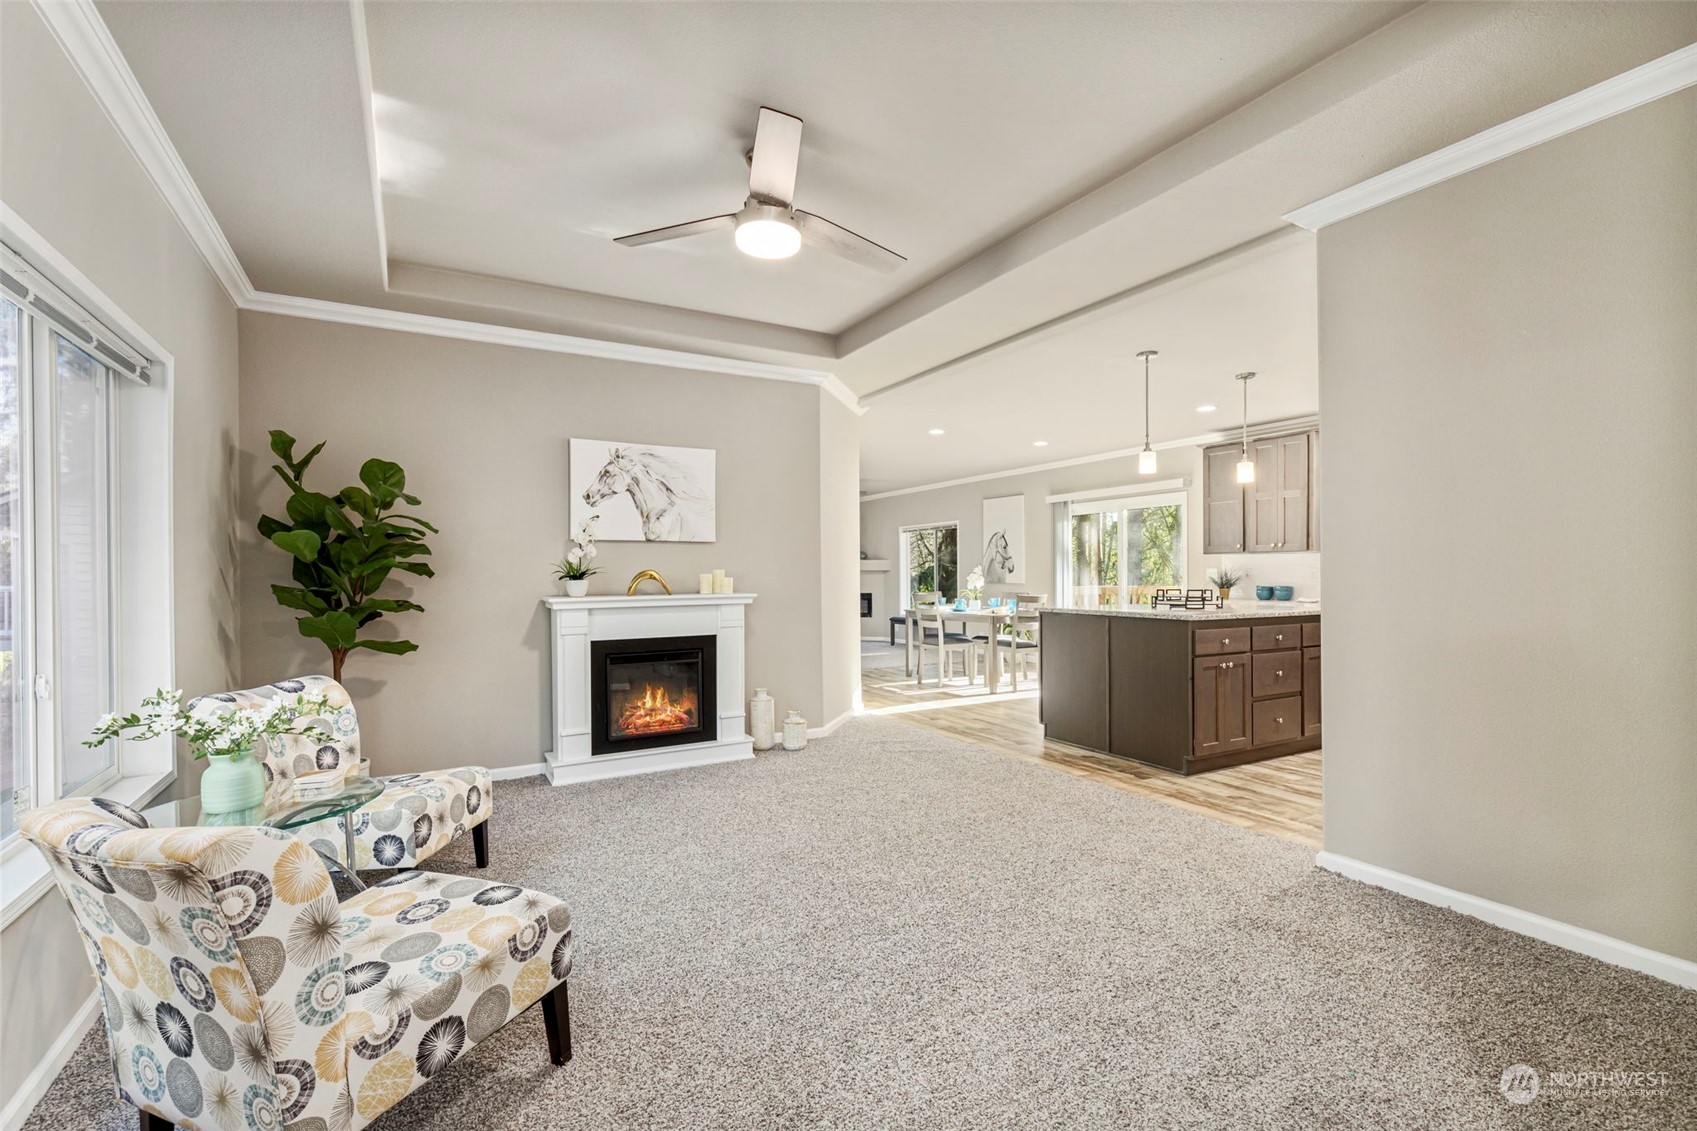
(839, 548)
(68, 175)
(483, 433)
(1509, 384)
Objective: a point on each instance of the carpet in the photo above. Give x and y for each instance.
(894, 929)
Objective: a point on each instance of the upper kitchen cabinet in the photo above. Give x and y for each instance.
(1274, 514)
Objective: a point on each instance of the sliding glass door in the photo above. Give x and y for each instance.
(930, 562)
(1122, 550)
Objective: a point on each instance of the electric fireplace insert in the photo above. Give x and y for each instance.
(658, 691)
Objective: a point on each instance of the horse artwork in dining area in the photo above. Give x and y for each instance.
(1004, 540)
(644, 492)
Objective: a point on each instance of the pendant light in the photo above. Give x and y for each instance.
(1245, 465)
(1146, 458)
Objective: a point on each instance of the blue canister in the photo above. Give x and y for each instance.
(1283, 592)
(1263, 592)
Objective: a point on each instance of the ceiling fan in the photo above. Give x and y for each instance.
(769, 225)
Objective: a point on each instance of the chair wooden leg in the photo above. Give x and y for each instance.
(557, 1019)
(151, 1122)
(480, 844)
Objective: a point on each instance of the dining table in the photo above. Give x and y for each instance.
(991, 617)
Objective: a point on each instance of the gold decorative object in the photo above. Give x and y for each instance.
(647, 575)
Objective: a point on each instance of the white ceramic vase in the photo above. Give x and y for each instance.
(762, 716)
(577, 587)
(795, 731)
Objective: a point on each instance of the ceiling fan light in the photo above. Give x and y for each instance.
(768, 239)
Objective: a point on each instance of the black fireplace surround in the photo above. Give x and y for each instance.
(652, 692)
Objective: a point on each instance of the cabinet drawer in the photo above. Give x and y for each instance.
(1276, 673)
(1277, 720)
(1311, 634)
(1214, 641)
(1268, 637)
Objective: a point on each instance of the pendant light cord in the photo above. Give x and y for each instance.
(1145, 402)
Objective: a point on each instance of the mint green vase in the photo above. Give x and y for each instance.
(232, 782)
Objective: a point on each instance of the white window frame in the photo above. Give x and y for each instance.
(906, 595)
(1077, 507)
(140, 566)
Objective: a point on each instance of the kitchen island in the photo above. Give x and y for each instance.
(1188, 690)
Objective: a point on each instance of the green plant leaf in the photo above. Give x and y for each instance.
(337, 629)
(392, 647)
(303, 544)
(269, 526)
(421, 568)
(386, 605)
(306, 508)
(385, 480)
(283, 446)
(413, 519)
(336, 520)
(301, 465)
(361, 501)
(302, 599)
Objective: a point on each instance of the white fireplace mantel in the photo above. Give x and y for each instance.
(576, 621)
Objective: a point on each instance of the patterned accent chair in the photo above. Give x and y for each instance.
(239, 994)
(412, 820)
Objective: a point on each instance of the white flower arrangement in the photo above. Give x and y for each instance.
(227, 732)
(975, 584)
(575, 565)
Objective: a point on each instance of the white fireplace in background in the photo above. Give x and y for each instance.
(576, 622)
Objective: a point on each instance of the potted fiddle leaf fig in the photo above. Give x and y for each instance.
(344, 547)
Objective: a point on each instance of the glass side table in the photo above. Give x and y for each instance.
(283, 808)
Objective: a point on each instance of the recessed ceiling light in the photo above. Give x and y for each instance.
(1206, 407)
(1039, 443)
(936, 431)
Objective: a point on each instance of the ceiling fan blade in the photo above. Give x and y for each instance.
(777, 152)
(821, 233)
(679, 231)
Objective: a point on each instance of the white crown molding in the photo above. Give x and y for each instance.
(1266, 428)
(368, 122)
(83, 35)
(1656, 79)
(1679, 971)
(77, 26)
(490, 334)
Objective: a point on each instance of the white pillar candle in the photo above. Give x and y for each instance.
(706, 583)
(724, 585)
(718, 580)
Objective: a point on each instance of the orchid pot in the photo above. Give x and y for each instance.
(577, 586)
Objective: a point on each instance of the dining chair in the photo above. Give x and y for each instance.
(239, 993)
(417, 814)
(1024, 642)
(948, 644)
(919, 600)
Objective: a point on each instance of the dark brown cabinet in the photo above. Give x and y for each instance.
(1274, 514)
(1219, 695)
(1186, 695)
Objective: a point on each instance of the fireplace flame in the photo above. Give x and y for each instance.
(655, 712)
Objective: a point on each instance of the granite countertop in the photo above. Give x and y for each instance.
(1233, 610)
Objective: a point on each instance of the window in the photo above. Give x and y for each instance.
(57, 536)
(929, 561)
(1122, 550)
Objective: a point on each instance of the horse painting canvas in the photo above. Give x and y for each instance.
(644, 492)
(1004, 541)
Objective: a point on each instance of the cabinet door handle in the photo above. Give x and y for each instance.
(1279, 719)
(1280, 636)
(1280, 673)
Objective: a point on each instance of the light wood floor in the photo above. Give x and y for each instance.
(1280, 797)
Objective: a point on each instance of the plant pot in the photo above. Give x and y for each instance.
(232, 782)
(577, 587)
(1225, 592)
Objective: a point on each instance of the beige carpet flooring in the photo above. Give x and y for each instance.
(893, 929)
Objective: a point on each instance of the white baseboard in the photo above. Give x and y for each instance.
(1679, 971)
(509, 773)
(831, 727)
(35, 1085)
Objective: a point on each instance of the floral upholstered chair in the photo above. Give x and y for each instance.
(414, 818)
(240, 995)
